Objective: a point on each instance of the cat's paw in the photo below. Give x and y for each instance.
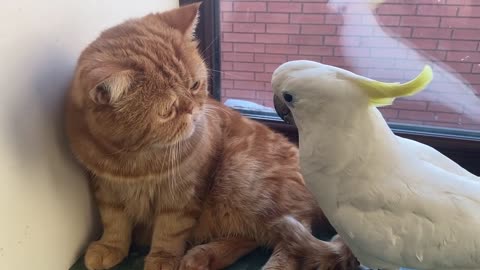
(159, 262)
(100, 256)
(195, 259)
(345, 260)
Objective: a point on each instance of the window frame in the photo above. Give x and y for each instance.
(463, 149)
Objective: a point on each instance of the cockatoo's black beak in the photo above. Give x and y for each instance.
(282, 110)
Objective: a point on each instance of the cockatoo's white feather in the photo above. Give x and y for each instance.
(396, 202)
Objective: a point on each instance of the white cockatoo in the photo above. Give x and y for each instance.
(395, 202)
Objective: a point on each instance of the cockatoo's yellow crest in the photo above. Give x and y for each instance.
(383, 94)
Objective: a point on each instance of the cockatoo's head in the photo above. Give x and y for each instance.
(306, 88)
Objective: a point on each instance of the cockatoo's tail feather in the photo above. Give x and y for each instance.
(382, 93)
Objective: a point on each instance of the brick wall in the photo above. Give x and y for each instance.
(257, 36)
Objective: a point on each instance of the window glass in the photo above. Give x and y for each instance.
(386, 40)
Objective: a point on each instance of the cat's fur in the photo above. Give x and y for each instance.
(176, 165)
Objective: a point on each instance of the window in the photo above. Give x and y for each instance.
(390, 41)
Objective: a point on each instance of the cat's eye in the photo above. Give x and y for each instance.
(195, 86)
(165, 116)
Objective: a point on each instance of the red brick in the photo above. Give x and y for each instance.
(237, 57)
(271, 17)
(466, 34)
(249, 27)
(456, 45)
(476, 68)
(283, 28)
(461, 23)
(238, 17)
(372, 42)
(254, 6)
(393, 31)
(420, 21)
(348, 20)
(469, 11)
(235, 93)
(385, 74)
(305, 40)
(381, 20)
(388, 53)
(334, 19)
(317, 8)
(264, 95)
(470, 119)
(226, 46)
(389, 113)
(248, 66)
(417, 116)
(263, 77)
(437, 10)
(447, 117)
(391, 9)
(254, 85)
(270, 58)
(373, 62)
(410, 105)
(248, 47)
(425, 44)
(271, 38)
(340, 41)
(353, 30)
(307, 18)
(352, 51)
(316, 50)
(472, 78)
(227, 65)
(281, 49)
(271, 67)
(430, 54)
(227, 84)
(238, 37)
(438, 33)
(319, 29)
(442, 107)
(305, 57)
(239, 75)
(226, 27)
(463, 2)
(226, 6)
(460, 67)
(471, 57)
(285, 7)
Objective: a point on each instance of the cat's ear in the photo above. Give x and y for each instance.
(108, 90)
(184, 19)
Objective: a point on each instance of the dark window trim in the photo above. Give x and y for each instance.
(208, 32)
(464, 150)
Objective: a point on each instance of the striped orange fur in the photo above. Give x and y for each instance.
(173, 166)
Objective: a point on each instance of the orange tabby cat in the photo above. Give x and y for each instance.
(177, 165)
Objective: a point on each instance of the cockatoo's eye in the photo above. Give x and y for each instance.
(287, 97)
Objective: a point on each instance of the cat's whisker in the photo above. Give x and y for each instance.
(230, 74)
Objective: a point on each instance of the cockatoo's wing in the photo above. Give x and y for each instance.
(420, 216)
(431, 155)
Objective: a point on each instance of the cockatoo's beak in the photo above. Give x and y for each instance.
(282, 110)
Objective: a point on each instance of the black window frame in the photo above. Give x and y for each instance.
(462, 148)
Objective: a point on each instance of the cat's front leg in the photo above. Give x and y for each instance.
(170, 233)
(114, 244)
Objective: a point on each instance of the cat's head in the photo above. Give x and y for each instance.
(143, 83)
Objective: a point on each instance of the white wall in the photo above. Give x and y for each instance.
(46, 213)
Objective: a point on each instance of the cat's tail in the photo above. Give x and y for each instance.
(316, 254)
